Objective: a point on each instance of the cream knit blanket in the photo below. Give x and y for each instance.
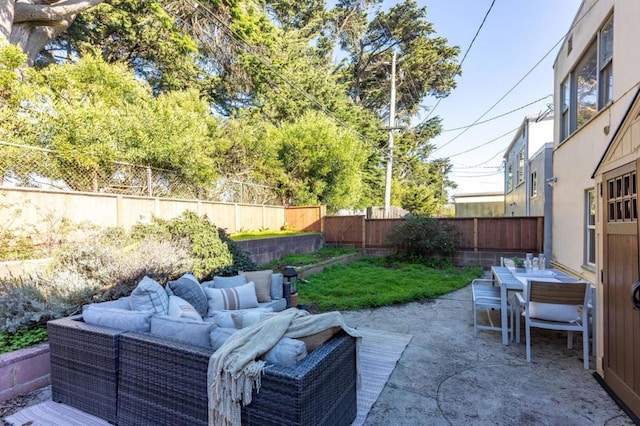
(235, 370)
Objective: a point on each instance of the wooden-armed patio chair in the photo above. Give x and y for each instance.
(556, 306)
(486, 295)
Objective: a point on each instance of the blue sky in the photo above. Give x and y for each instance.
(516, 35)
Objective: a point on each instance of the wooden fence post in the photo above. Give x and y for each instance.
(364, 232)
(475, 234)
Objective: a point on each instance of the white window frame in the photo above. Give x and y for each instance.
(520, 167)
(509, 178)
(605, 64)
(590, 227)
(603, 75)
(565, 101)
(534, 184)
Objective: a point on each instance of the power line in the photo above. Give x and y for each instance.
(463, 58)
(523, 77)
(477, 32)
(477, 175)
(632, 87)
(484, 162)
(485, 143)
(498, 116)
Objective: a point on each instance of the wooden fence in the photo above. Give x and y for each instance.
(38, 206)
(517, 234)
(305, 218)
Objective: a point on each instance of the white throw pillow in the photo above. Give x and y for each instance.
(180, 308)
(242, 297)
(553, 312)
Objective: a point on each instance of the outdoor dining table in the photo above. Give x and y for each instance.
(509, 279)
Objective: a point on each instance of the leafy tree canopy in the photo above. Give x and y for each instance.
(229, 84)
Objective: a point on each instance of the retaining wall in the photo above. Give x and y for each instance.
(24, 370)
(264, 250)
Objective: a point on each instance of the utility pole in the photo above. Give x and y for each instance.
(392, 125)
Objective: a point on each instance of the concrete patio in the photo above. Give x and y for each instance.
(448, 377)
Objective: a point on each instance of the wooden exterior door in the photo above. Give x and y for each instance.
(621, 361)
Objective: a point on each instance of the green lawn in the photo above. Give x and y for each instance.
(374, 282)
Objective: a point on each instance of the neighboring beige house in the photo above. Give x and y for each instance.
(596, 77)
(490, 204)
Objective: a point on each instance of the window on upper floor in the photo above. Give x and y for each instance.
(509, 178)
(589, 86)
(586, 78)
(564, 109)
(534, 184)
(521, 166)
(605, 63)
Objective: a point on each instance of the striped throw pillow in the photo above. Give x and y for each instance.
(234, 298)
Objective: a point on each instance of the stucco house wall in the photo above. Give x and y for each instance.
(576, 156)
(541, 164)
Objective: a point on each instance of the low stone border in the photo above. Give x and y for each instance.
(24, 370)
(316, 268)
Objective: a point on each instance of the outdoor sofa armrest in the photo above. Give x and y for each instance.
(84, 365)
(164, 382)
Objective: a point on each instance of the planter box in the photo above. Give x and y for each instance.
(24, 370)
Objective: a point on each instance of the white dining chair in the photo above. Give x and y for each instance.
(555, 306)
(486, 296)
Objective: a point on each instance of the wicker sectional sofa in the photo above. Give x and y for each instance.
(133, 378)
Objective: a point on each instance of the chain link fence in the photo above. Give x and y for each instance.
(33, 167)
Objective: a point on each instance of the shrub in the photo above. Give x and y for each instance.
(110, 263)
(241, 259)
(420, 238)
(212, 251)
(31, 302)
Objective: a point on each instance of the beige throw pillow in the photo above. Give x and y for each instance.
(262, 280)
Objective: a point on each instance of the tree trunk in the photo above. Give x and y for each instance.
(6, 20)
(31, 26)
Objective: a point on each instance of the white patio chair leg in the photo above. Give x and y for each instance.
(511, 323)
(475, 321)
(518, 315)
(527, 336)
(570, 339)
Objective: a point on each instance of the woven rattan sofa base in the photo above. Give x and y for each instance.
(84, 366)
(164, 382)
